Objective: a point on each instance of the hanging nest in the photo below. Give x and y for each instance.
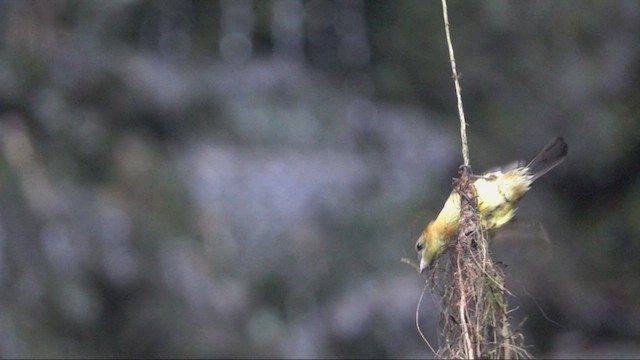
(469, 287)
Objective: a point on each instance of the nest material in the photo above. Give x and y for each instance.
(469, 287)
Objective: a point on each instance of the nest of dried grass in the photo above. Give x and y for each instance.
(469, 287)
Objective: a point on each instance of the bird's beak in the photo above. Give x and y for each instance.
(423, 264)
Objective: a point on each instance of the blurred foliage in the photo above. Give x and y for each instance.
(241, 178)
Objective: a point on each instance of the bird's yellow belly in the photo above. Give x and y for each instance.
(497, 196)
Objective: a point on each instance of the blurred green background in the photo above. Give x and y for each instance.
(241, 178)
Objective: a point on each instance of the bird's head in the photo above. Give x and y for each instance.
(430, 244)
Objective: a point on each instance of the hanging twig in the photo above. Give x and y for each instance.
(456, 76)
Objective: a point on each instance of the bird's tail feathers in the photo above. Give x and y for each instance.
(548, 158)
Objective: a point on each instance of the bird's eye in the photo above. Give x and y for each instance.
(419, 246)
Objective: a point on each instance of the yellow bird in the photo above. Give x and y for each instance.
(497, 193)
